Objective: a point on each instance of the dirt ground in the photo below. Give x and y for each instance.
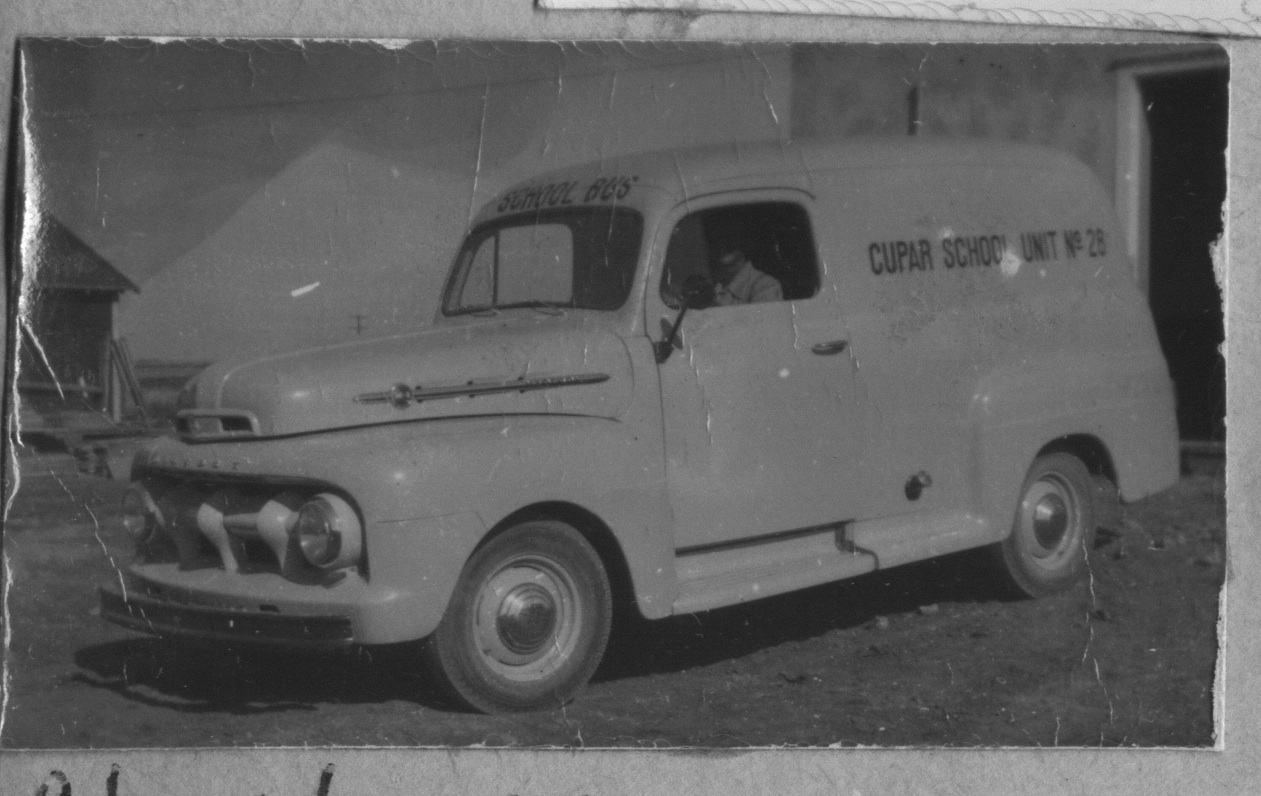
(927, 654)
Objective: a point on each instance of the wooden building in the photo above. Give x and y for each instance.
(66, 382)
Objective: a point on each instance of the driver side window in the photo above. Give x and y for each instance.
(759, 251)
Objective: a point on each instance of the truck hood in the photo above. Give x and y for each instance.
(538, 365)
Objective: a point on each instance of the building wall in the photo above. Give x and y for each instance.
(1060, 96)
(71, 366)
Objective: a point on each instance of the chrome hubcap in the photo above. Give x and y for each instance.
(526, 619)
(1050, 520)
(1049, 515)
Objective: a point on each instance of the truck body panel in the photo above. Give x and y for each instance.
(943, 313)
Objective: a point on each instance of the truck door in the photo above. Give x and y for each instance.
(764, 419)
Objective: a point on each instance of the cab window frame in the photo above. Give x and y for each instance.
(725, 218)
(458, 274)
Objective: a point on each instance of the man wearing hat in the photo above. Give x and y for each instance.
(738, 282)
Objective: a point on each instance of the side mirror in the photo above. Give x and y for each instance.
(696, 293)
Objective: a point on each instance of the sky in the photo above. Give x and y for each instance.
(148, 148)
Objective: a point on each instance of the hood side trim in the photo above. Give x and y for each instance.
(403, 395)
(187, 463)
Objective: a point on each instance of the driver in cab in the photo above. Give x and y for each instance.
(738, 282)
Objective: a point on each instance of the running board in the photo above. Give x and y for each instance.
(740, 574)
(752, 570)
(916, 537)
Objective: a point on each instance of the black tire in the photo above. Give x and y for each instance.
(1053, 530)
(528, 622)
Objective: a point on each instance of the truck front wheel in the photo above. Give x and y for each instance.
(528, 622)
(1054, 527)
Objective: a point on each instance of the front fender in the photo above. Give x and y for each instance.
(429, 491)
(494, 467)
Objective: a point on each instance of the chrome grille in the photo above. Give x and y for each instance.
(236, 528)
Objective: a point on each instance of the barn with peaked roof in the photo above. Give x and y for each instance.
(64, 381)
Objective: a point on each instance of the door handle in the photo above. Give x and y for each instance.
(828, 349)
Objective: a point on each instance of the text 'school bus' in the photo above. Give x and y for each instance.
(679, 380)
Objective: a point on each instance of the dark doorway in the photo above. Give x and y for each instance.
(1187, 114)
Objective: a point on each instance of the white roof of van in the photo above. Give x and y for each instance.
(689, 168)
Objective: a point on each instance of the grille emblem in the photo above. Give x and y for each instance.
(400, 395)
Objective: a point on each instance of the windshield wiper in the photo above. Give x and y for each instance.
(538, 304)
(482, 310)
(533, 304)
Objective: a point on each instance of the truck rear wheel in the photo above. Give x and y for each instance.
(528, 622)
(1054, 527)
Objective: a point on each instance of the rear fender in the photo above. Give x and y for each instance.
(1124, 403)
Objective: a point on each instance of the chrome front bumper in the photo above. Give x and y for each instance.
(223, 625)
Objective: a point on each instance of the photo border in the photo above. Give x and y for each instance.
(301, 771)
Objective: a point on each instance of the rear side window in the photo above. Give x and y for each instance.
(772, 238)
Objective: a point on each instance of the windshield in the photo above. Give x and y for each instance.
(581, 258)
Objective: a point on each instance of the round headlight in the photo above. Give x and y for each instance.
(328, 532)
(138, 513)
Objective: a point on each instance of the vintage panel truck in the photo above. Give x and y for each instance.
(679, 380)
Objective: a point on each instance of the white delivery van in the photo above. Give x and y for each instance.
(681, 380)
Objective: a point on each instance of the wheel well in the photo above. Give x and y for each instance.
(595, 531)
(1090, 449)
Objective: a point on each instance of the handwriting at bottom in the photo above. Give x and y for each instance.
(58, 784)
